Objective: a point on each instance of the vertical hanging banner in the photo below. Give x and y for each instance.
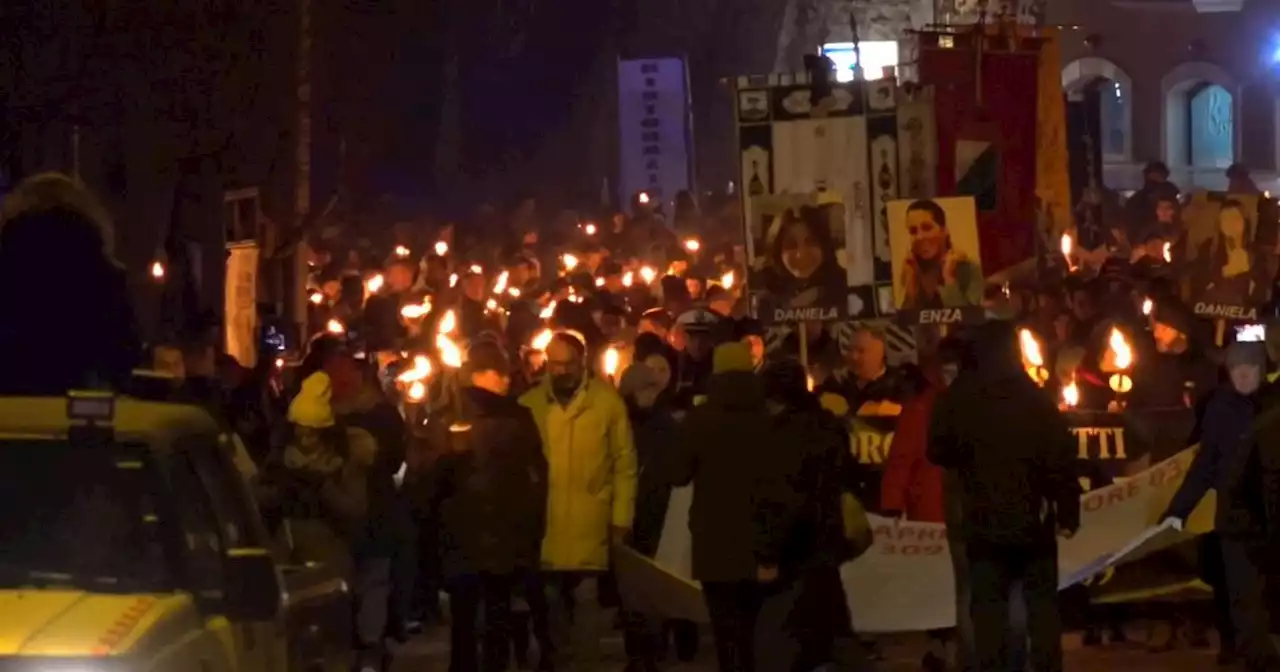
(240, 319)
(805, 197)
(986, 84)
(653, 119)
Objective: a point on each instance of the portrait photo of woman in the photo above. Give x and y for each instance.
(798, 259)
(1224, 271)
(935, 253)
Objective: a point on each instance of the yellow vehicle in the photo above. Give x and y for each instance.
(128, 541)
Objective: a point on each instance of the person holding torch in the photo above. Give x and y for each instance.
(591, 461)
(491, 495)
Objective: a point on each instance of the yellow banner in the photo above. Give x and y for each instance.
(1053, 182)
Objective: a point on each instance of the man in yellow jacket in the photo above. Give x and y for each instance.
(591, 493)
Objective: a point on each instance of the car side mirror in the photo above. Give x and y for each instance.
(253, 591)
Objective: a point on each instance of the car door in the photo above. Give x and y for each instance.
(262, 645)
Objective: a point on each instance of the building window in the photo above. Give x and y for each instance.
(1113, 112)
(878, 56)
(1211, 127)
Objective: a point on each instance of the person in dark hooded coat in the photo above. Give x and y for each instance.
(1014, 457)
(66, 320)
(718, 445)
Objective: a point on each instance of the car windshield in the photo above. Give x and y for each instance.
(78, 516)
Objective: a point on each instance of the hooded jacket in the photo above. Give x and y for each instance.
(1011, 449)
(591, 465)
(66, 320)
(720, 449)
(797, 510)
(491, 488)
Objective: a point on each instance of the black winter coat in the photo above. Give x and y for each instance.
(798, 518)
(721, 447)
(1227, 463)
(1011, 449)
(655, 432)
(490, 487)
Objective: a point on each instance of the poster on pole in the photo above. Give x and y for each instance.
(653, 120)
(806, 199)
(937, 271)
(240, 319)
(1226, 272)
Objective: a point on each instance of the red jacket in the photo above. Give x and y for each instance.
(911, 484)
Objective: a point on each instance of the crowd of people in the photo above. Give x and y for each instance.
(495, 416)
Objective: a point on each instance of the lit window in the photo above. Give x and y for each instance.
(876, 56)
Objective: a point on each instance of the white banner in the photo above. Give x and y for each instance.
(241, 303)
(905, 583)
(653, 120)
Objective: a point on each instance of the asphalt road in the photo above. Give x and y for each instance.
(430, 653)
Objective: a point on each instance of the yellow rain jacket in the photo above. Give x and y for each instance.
(591, 464)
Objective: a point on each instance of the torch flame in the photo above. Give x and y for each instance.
(448, 323)
(442, 248)
(335, 327)
(500, 285)
(417, 391)
(402, 251)
(476, 269)
(727, 279)
(1147, 306)
(1120, 347)
(548, 311)
(491, 305)
(590, 229)
(611, 361)
(316, 298)
(1071, 395)
(450, 354)
(1168, 252)
(644, 198)
(1068, 249)
(374, 283)
(453, 280)
(541, 340)
(599, 282)
(570, 262)
(1031, 353)
(692, 244)
(648, 274)
(157, 270)
(513, 293)
(628, 278)
(421, 370)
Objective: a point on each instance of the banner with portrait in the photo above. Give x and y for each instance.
(799, 269)
(1226, 272)
(937, 269)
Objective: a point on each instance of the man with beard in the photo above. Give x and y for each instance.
(591, 502)
(1016, 482)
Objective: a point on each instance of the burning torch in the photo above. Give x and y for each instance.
(1033, 357)
(1119, 361)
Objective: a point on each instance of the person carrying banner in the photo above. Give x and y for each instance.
(1230, 463)
(1016, 477)
(717, 447)
(799, 534)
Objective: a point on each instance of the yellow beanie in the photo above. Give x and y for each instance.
(313, 406)
(731, 357)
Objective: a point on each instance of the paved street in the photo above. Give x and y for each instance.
(430, 654)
